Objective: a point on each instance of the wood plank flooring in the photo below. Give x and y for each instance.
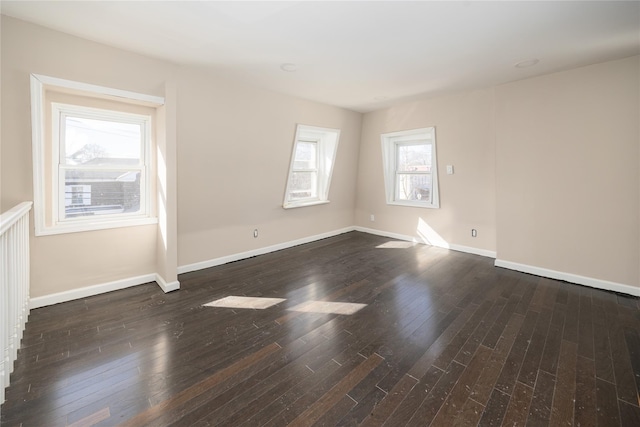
(445, 339)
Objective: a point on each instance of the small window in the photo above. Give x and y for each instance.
(410, 168)
(314, 151)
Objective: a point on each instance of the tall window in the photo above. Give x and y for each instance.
(304, 172)
(93, 160)
(410, 168)
(314, 151)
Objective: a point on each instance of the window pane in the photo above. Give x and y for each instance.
(413, 187)
(101, 142)
(88, 193)
(303, 185)
(306, 155)
(414, 158)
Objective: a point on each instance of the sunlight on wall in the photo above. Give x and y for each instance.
(162, 197)
(429, 235)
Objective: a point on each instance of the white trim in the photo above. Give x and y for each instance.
(37, 148)
(10, 217)
(568, 277)
(167, 287)
(388, 234)
(104, 224)
(326, 140)
(39, 145)
(88, 291)
(471, 250)
(260, 251)
(390, 143)
(102, 90)
(175, 285)
(293, 205)
(453, 247)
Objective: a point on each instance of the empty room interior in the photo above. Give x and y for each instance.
(330, 213)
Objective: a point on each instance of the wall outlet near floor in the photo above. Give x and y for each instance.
(474, 232)
(372, 217)
(255, 233)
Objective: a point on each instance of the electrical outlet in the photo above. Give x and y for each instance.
(372, 217)
(255, 233)
(474, 232)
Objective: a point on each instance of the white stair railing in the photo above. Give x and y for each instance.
(14, 286)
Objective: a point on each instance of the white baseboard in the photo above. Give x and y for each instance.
(175, 285)
(102, 288)
(568, 277)
(260, 251)
(90, 291)
(167, 287)
(454, 247)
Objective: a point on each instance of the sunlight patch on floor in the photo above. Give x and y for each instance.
(245, 302)
(328, 307)
(395, 245)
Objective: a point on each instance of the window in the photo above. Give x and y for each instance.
(102, 167)
(410, 168)
(92, 157)
(314, 151)
(304, 173)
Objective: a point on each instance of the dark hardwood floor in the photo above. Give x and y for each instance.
(445, 339)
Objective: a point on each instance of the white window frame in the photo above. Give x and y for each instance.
(59, 113)
(326, 141)
(390, 143)
(48, 205)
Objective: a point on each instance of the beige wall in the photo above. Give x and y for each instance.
(231, 144)
(70, 261)
(235, 145)
(567, 147)
(546, 169)
(464, 139)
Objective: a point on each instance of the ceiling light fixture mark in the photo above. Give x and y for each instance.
(528, 63)
(288, 67)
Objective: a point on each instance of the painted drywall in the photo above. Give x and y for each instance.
(546, 169)
(166, 190)
(225, 148)
(65, 262)
(464, 139)
(235, 146)
(567, 147)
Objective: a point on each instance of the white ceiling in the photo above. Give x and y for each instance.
(361, 55)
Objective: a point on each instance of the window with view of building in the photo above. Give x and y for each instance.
(102, 162)
(314, 151)
(410, 168)
(92, 157)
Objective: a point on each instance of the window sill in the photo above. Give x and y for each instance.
(414, 204)
(303, 204)
(83, 226)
